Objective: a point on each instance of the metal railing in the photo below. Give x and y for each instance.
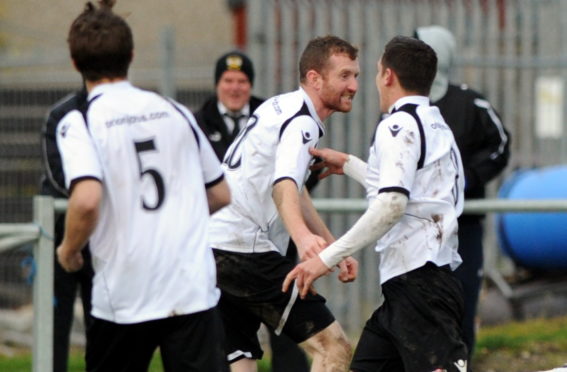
(41, 231)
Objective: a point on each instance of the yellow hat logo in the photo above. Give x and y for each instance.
(234, 62)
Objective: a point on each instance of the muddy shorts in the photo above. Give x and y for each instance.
(417, 328)
(251, 294)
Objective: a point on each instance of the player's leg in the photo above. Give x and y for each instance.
(422, 315)
(311, 324)
(287, 355)
(119, 347)
(239, 282)
(375, 351)
(193, 343)
(329, 348)
(244, 365)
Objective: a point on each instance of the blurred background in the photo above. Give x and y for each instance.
(513, 51)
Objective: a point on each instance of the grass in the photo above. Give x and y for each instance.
(528, 346)
(532, 345)
(22, 362)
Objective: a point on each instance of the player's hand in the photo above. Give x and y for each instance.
(304, 275)
(69, 260)
(309, 246)
(331, 159)
(348, 270)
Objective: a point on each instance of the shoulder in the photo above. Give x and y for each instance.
(399, 125)
(401, 118)
(69, 103)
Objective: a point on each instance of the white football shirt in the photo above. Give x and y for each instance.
(414, 153)
(149, 248)
(273, 146)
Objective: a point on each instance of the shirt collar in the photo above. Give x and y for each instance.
(223, 110)
(103, 88)
(312, 110)
(416, 100)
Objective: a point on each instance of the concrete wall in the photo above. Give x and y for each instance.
(33, 33)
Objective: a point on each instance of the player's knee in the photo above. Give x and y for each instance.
(332, 347)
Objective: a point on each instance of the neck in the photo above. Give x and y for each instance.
(92, 84)
(322, 111)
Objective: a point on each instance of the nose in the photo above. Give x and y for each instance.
(353, 85)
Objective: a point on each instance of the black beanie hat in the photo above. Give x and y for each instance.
(234, 61)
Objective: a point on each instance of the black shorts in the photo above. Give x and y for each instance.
(251, 293)
(193, 342)
(417, 328)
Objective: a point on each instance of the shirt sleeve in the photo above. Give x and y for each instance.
(78, 152)
(397, 146)
(212, 171)
(292, 154)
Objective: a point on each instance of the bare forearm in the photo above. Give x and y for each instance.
(82, 214)
(79, 225)
(313, 219)
(286, 198)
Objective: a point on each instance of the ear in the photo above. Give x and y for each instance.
(314, 79)
(389, 77)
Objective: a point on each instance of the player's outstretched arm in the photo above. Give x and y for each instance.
(218, 196)
(332, 160)
(337, 162)
(80, 222)
(382, 214)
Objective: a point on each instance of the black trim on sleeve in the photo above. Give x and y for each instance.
(401, 190)
(411, 109)
(304, 110)
(283, 178)
(214, 182)
(75, 181)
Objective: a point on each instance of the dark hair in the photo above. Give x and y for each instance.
(413, 61)
(316, 54)
(101, 42)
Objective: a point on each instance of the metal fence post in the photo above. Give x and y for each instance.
(43, 285)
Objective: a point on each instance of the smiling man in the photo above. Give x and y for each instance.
(266, 168)
(223, 115)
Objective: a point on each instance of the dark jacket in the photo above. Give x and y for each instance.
(53, 179)
(212, 124)
(483, 141)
